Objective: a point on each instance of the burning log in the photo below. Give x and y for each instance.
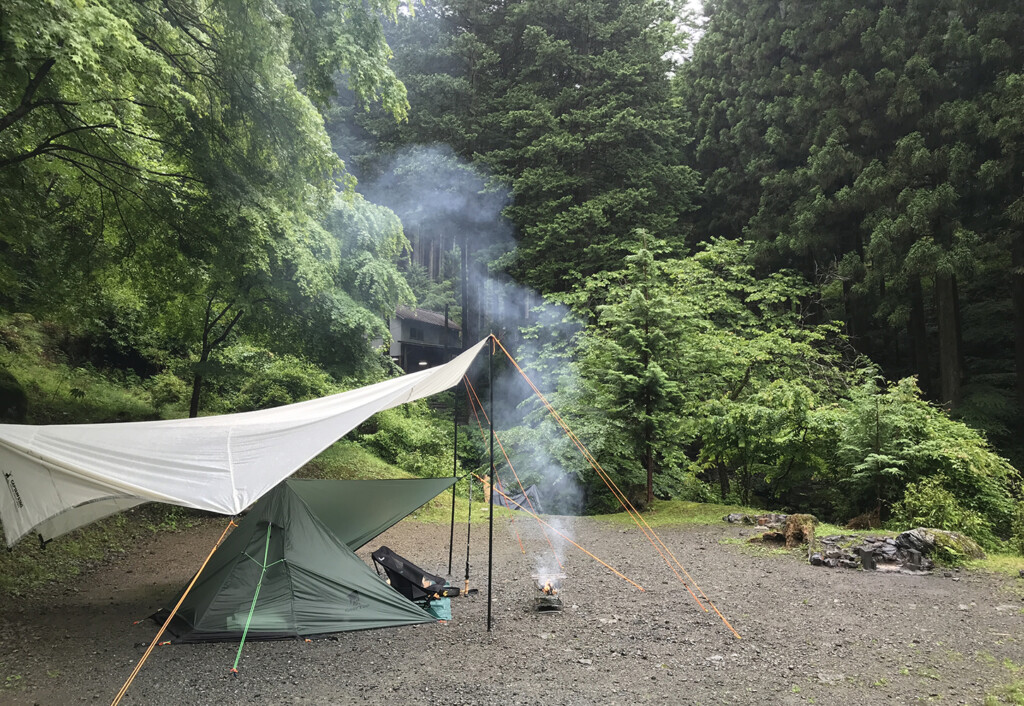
(550, 586)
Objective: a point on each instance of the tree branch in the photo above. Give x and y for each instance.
(26, 105)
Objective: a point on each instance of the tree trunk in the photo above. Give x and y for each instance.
(950, 369)
(193, 405)
(723, 480)
(208, 346)
(918, 336)
(468, 333)
(650, 474)
(1018, 314)
(850, 309)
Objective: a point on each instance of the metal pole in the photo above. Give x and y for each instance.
(469, 526)
(455, 472)
(490, 538)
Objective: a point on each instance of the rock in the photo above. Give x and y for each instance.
(816, 559)
(867, 558)
(946, 547)
(734, 518)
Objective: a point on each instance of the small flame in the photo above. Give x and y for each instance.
(549, 589)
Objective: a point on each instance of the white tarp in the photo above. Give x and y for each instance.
(62, 476)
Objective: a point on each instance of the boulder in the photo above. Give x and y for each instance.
(947, 547)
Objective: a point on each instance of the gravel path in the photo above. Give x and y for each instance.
(810, 635)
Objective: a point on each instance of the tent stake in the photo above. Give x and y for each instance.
(490, 537)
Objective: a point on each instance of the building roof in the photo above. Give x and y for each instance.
(425, 316)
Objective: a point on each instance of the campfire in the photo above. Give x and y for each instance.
(550, 587)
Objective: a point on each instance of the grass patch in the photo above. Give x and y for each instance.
(1009, 694)
(347, 460)
(1004, 563)
(762, 549)
(667, 513)
(60, 394)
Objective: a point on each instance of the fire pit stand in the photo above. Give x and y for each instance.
(550, 598)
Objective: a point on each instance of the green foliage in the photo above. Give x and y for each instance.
(1017, 529)
(876, 146)
(165, 177)
(569, 104)
(246, 377)
(412, 438)
(928, 503)
(696, 359)
(57, 393)
(347, 460)
(169, 393)
(29, 569)
(891, 441)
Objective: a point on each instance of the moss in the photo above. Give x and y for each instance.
(953, 549)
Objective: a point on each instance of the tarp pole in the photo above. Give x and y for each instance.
(490, 537)
(170, 617)
(469, 526)
(455, 469)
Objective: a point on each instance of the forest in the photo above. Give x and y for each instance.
(769, 253)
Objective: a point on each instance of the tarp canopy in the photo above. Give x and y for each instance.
(63, 476)
(297, 545)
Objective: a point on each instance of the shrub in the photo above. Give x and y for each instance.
(246, 377)
(929, 503)
(167, 390)
(891, 440)
(1017, 532)
(412, 438)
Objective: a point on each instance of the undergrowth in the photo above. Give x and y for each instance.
(30, 566)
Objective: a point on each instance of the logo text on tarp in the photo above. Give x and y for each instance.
(14, 490)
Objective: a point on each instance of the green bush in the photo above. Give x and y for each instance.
(168, 390)
(245, 377)
(412, 438)
(929, 503)
(1017, 532)
(892, 441)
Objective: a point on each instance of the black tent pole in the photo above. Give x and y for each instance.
(490, 537)
(469, 525)
(455, 472)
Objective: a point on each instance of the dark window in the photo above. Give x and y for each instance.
(415, 334)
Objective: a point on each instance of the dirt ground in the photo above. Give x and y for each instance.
(809, 635)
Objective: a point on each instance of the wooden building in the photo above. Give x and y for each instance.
(422, 339)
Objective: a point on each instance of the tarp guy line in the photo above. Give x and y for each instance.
(596, 465)
(160, 632)
(496, 480)
(602, 563)
(616, 493)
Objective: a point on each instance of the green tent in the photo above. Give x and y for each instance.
(291, 564)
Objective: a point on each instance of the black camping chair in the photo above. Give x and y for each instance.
(410, 580)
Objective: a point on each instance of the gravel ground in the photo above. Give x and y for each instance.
(810, 635)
